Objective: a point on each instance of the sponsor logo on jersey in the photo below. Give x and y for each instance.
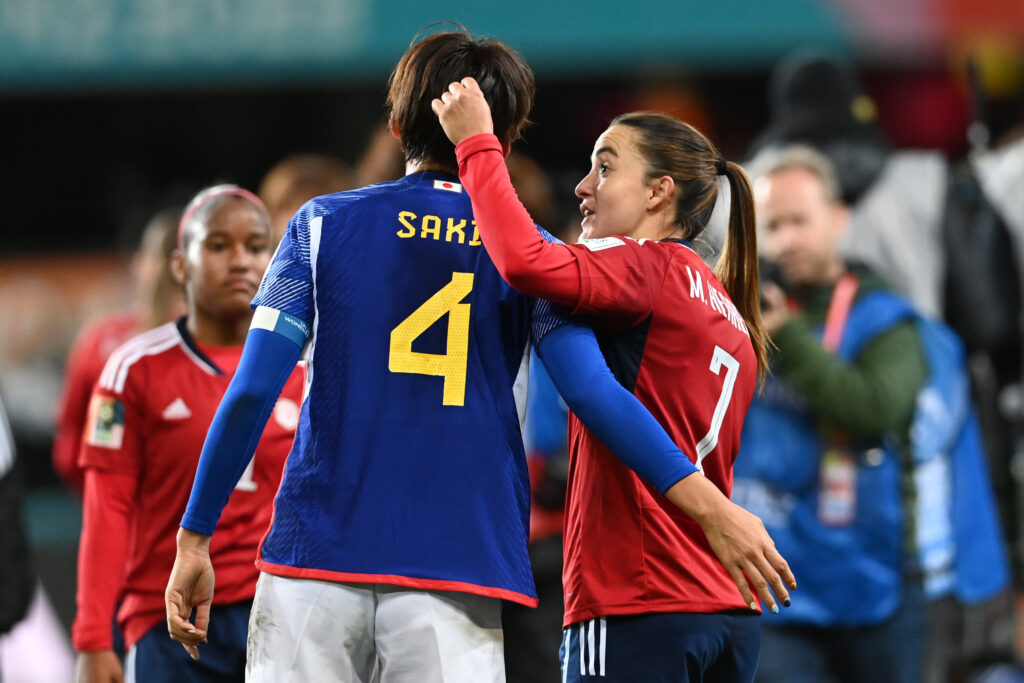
(177, 410)
(105, 426)
(447, 185)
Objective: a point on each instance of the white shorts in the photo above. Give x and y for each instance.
(310, 630)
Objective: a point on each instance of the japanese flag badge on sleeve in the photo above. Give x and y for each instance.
(105, 426)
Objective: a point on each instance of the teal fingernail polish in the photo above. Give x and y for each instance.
(775, 609)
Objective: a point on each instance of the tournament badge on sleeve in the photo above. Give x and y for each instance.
(105, 426)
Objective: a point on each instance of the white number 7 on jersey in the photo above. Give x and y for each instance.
(732, 368)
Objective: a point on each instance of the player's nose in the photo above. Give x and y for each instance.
(585, 188)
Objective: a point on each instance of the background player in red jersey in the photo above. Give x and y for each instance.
(147, 420)
(640, 572)
(158, 299)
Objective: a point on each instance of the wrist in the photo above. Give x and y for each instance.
(191, 541)
(479, 142)
(698, 497)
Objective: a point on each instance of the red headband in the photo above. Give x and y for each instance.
(202, 199)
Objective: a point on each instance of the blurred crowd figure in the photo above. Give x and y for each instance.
(862, 456)
(296, 179)
(33, 645)
(16, 577)
(158, 299)
(948, 237)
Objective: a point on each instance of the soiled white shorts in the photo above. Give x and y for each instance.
(310, 630)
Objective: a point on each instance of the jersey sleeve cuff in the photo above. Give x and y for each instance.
(92, 638)
(671, 480)
(483, 142)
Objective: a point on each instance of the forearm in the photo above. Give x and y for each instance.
(698, 497)
(869, 397)
(267, 360)
(613, 414)
(102, 556)
(524, 258)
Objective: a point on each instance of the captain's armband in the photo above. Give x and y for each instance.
(288, 326)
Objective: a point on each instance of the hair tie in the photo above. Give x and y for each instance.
(206, 196)
(721, 165)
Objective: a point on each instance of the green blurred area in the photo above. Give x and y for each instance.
(75, 45)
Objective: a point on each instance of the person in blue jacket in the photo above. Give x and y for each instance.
(861, 454)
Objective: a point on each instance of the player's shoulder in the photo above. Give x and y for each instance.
(109, 330)
(684, 256)
(643, 245)
(339, 201)
(142, 348)
(334, 208)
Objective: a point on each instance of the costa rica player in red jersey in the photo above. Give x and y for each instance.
(646, 597)
(147, 421)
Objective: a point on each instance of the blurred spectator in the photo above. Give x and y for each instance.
(861, 456)
(383, 158)
(158, 298)
(296, 179)
(895, 199)
(946, 236)
(15, 571)
(33, 645)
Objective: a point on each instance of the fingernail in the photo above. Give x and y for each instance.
(753, 606)
(191, 630)
(775, 609)
(787, 602)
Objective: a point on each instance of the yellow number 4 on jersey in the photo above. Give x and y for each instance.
(452, 364)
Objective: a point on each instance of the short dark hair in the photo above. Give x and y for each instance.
(426, 70)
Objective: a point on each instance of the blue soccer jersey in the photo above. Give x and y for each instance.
(408, 464)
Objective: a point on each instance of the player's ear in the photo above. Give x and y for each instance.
(178, 270)
(660, 191)
(393, 128)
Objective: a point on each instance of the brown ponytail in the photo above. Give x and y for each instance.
(676, 149)
(737, 264)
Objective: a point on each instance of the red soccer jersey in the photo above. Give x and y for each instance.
(673, 337)
(148, 418)
(670, 334)
(88, 354)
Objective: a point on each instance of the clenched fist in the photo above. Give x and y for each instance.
(463, 111)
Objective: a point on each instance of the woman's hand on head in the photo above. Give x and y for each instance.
(463, 111)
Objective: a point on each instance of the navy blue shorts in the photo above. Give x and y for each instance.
(158, 659)
(663, 648)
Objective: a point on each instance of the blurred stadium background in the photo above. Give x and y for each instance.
(114, 109)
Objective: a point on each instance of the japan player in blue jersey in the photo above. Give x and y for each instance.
(402, 518)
